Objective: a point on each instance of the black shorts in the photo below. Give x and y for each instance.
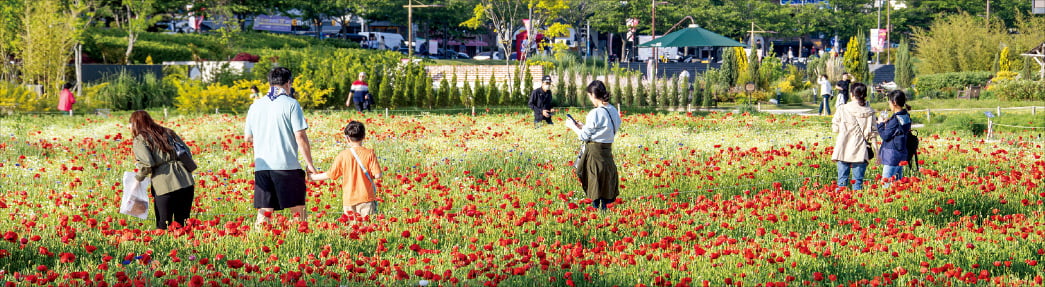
(279, 189)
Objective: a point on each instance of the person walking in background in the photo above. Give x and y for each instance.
(596, 169)
(541, 102)
(360, 94)
(825, 92)
(358, 167)
(66, 99)
(276, 128)
(894, 130)
(172, 184)
(854, 124)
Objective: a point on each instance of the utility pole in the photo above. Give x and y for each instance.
(410, 25)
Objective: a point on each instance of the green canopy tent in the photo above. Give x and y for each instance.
(692, 36)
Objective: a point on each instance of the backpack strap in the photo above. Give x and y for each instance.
(365, 171)
(612, 124)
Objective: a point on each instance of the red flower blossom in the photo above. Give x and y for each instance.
(234, 264)
(66, 257)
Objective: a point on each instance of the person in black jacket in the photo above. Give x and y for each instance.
(541, 102)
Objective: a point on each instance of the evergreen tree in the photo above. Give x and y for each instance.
(374, 78)
(420, 92)
(467, 98)
(455, 92)
(444, 93)
(571, 88)
(560, 88)
(632, 95)
(641, 94)
(516, 92)
(752, 70)
(616, 88)
(696, 98)
(855, 58)
(729, 66)
(493, 94)
(479, 95)
(399, 85)
(673, 101)
(581, 94)
(433, 97)
(904, 68)
(527, 84)
(385, 97)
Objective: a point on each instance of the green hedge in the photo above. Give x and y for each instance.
(1013, 90)
(949, 83)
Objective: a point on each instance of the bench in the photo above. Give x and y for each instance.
(970, 92)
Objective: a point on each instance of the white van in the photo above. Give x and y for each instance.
(392, 40)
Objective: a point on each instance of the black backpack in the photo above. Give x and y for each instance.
(912, 150)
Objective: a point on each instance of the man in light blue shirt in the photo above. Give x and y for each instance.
(276, 126)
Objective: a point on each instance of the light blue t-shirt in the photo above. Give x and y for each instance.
(600, 125)
(273, 123)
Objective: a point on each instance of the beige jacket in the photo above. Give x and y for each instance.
(167, 173)
(852, 122)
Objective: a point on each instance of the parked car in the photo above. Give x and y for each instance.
(489, 56)
(182, 26)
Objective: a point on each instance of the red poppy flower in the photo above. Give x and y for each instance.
(234, 264)
(67, 257)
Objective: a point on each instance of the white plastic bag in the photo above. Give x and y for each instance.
(839, 100)
(135, 200)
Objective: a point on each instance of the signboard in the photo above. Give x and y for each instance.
(1037, 7)
(273, 23)
(878, 37)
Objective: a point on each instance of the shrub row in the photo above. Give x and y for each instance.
(949, 83)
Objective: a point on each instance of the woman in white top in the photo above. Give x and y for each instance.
(595, 168)
(855, 126)
(825, 91)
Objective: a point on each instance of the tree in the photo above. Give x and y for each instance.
(49, 36)
(958, 43)
(500, 16)
(904, 68)
(540, 12)
(11, 12)
(729, 67)
(138, 19)
(752, 70)
(855, 58)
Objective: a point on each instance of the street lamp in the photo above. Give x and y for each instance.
(410, 24)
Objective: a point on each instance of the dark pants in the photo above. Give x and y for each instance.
(825, 104)
(601, 203)
(362, 104)
(173, 206)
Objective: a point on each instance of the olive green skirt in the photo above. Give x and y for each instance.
(598, 174)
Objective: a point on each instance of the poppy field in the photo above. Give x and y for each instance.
(715, 199)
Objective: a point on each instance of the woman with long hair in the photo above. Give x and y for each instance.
(894, 131)
(597, 170)
(172, 184)
(854, 124)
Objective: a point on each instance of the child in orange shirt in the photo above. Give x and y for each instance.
(358, 167)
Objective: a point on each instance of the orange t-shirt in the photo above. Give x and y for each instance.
(354, 183)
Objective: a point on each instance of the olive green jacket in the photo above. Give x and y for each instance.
(168, 174)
